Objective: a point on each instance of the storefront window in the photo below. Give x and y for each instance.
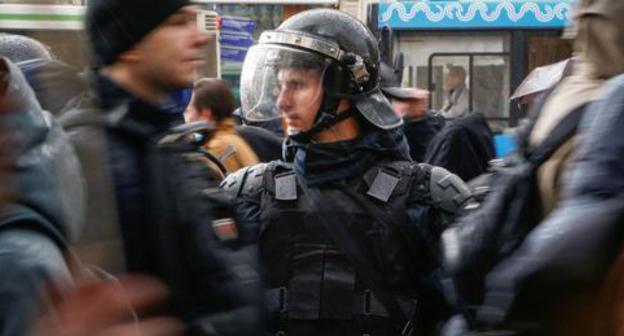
(471, 82)
(431, 56)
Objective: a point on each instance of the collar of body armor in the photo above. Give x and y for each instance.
(320, 163)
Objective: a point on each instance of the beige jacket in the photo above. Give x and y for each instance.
(227, 145)
(599, 47)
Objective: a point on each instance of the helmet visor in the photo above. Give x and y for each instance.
(278, 79)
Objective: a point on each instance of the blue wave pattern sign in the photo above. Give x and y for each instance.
(475, 14)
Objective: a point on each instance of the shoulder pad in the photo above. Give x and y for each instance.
(246, 181)
(448, 191)
(400, 167)
(388, 179)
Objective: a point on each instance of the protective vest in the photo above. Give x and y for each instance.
(308, 277)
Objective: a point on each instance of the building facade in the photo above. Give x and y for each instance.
(496, 42)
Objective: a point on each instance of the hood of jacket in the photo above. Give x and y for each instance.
(44, 176)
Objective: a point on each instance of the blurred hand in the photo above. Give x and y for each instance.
(106, 309)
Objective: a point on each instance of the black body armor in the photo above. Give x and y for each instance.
(310, 281)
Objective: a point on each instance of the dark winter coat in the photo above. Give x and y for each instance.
(419, 134)
(305, 262)
(153, 209)
(44, 211)
(266, 144)
(464, 146)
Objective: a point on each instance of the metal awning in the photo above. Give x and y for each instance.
(475, 14)
(60, 17)
(269, 2)
(66, 17)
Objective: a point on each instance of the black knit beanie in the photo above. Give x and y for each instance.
(114, 26)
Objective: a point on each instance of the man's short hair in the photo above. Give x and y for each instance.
(19, 48)
(215, 94)
(304, 63)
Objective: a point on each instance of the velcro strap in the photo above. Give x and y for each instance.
(286, 187)
(365, 303)
(383, 185)
(276, 300)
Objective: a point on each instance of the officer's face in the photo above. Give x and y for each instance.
(170, 55)
(300, 98)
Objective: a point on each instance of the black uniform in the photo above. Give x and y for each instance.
(347, 229)
(399, 209)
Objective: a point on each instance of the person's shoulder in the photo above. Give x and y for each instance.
(229, 139)
(445, 190)
(82, 110)
(254, 132)
(249, 181)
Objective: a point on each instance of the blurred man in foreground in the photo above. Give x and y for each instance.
(153, 208)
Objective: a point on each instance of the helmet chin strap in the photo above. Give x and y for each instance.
(326, 117)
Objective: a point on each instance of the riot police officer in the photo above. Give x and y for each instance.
(347, 224)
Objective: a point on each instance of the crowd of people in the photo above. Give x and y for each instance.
(333, 201)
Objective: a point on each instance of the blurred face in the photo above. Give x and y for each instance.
(300, 97)
(451, 81)
(410, 108)
(171, 54)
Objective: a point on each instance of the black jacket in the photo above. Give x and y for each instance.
(464, 146)
(266, 144)
(161, 198)
(419, 134)
(301, 257)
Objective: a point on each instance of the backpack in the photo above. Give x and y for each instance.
(511, 207)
